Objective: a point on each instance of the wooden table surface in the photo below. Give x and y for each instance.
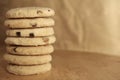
(70, 65)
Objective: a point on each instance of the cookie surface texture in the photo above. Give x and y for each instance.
(30, 32)
(29, 23)
(38, 50)
(27, 60)
(30, 12)
(28, 70)
(30, 41)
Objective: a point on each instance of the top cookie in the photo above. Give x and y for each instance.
(30, 12)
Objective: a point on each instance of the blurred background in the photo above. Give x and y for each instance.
(81, 25)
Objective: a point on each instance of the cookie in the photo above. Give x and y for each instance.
(30, 41)
(30, 32)
(27, 60)
(30, 12)
(29, 23)
(38, 50)
(28, 70)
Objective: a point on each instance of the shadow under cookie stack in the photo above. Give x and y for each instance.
(29, 40)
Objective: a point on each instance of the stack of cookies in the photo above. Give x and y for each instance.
(29, 40)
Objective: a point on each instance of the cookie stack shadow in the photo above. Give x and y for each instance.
(30, 36)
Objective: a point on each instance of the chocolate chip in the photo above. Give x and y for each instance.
(45, 39)
(18, 34)
(48, 10)
(34, 25)
(8, 25)
(15, 49)
(39, 11)
(31, 35)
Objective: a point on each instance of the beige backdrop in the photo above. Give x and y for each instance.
(82, 25)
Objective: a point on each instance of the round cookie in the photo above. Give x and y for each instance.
(30, 41)
(28, 70)
(27, 60)
(30, 12)
(38, 50)
(30, 32)
(29, 23)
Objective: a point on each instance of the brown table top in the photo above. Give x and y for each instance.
(71, 65)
